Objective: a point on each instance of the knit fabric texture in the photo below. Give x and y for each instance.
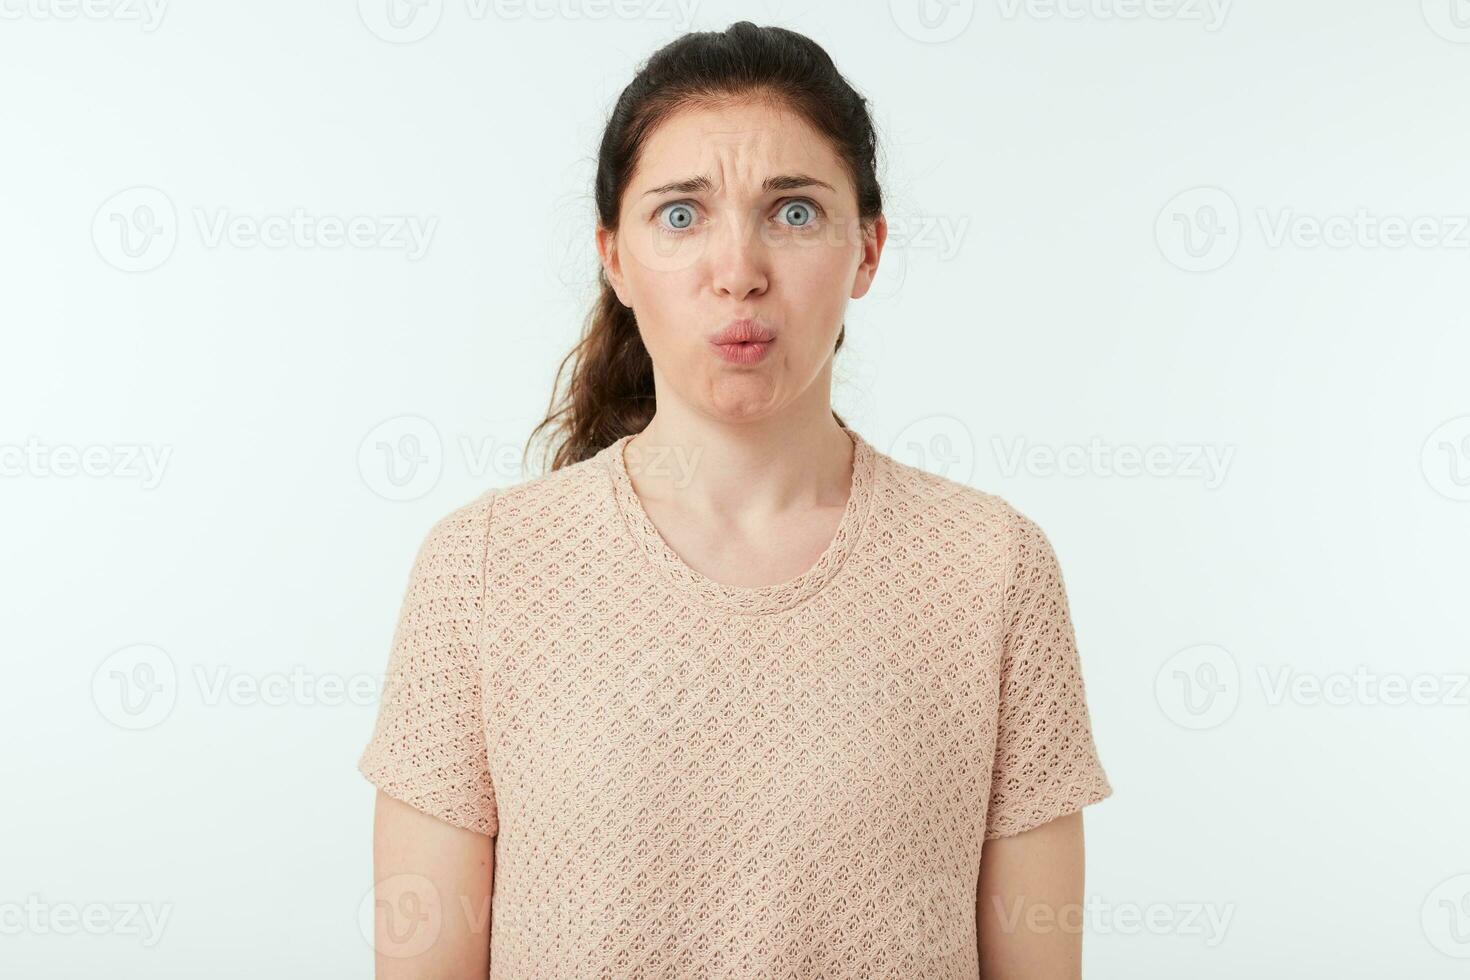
(690, 779)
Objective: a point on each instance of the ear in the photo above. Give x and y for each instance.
(612, 266)
(867, 269)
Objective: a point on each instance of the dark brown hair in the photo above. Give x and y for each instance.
(610, 392)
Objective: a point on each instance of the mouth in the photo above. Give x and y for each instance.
(745, 331)
(743, 341)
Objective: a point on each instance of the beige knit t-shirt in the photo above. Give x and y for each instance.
(689, 779)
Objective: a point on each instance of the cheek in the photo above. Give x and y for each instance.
(819, 268)
(818, 282)
(661, 271)
(817, 279)
(664, 300)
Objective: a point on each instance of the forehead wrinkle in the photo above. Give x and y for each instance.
(730, 162)
(702, 148)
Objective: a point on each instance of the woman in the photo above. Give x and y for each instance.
(728, 692)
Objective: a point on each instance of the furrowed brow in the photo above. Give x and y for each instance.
(783, 182)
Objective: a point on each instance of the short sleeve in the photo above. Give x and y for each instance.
(428, 746)
(1046, 763)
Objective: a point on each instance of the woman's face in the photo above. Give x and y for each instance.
(738, 213)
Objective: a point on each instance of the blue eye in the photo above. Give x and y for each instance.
(682, 216)
(804, 209)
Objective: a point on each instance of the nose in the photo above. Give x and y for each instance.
(738, 260)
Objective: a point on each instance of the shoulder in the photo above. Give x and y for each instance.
(529, 508)
(975, 519)
(585, 479)
(461, 529)
(451, 554)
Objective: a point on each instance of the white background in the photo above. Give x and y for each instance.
(1102, 244)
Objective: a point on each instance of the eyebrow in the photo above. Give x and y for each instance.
(783, 182)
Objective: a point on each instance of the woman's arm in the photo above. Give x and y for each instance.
(1028, 912)
(432, 901)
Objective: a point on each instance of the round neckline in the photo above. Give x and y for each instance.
(749, 600)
